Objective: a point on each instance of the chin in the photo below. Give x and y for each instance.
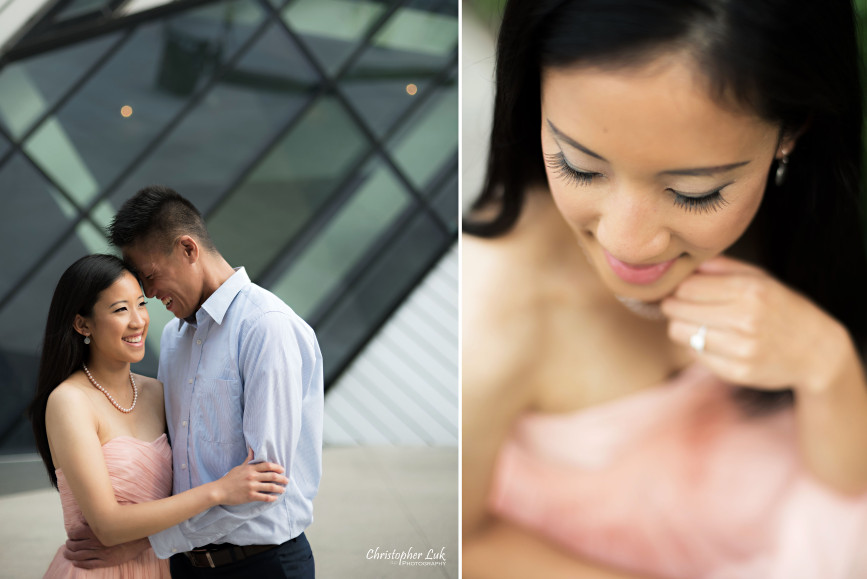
(645, 294)
(653, 292)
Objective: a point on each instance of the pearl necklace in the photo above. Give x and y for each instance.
(109, 396)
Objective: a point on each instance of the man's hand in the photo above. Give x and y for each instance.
(86, 552)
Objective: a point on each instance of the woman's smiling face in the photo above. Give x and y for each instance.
(651, 173)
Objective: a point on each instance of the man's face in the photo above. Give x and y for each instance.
(174, 278)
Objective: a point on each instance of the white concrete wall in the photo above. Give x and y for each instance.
(403, 388)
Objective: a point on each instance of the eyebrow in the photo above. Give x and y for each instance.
(572, 142)
(124, 301)
(692, 172)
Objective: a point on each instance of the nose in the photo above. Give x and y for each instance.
(148, 288)
(139, 318)
(632, 228)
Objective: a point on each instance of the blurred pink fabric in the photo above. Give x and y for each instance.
(676, 482)
(140, 471)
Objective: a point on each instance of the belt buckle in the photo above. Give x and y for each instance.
(204, 552)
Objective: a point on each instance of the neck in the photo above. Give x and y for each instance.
(216, 271)
(110, 373)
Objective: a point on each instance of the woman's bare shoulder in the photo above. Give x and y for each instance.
(69, 401)
(503, 289)
(71, 391)
(148, 383)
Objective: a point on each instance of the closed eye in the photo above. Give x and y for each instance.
(557, 163)
(705, 203)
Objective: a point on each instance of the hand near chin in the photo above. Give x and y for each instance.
(86, 552)
(759, 332)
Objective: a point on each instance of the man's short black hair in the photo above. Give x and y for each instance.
(158, 215)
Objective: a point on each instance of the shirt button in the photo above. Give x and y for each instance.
(184, 423)
(198, 342)
(174, 550)
(184, 466)
(190, 381)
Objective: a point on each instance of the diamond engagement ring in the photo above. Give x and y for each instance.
(697, 340)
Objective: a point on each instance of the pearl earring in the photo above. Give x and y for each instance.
(87, 339)
(782, 167)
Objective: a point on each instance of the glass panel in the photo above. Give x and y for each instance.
(343, 241)
(429, 138)
(28, 88)
(80, 8)
(274, 64)
(93, 239)
(445, 202)
(287, 188)
(415, 29)
(363, 307)
(332, 28)
(103, 214)
(23, 322)
(226, 130)
(33, 217)
(392, 72)
(129, 101)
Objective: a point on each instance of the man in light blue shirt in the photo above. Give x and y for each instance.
(240, 370)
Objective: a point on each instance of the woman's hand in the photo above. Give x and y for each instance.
(759, 332)
(251, 482)
(86, 552)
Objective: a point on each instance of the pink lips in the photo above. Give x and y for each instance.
(638, 274)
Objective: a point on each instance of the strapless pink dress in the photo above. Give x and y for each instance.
(140, 472)
(676, 482)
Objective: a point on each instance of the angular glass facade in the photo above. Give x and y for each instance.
(318, 137)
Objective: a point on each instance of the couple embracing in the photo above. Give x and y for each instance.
(210, 469)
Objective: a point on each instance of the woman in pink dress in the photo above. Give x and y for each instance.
(101, 429)
(665, 296)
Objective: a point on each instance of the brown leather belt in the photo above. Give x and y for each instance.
(218, 555)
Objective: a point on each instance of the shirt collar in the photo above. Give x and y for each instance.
(218, 304)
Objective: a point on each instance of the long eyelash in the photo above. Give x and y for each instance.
(707, 204)
(557, 163)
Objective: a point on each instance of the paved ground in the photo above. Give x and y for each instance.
(383, 499)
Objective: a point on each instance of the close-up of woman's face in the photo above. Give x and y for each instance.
(651, 173)
(120, 320)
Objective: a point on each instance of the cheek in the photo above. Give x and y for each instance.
(715, 233)
(573, 202)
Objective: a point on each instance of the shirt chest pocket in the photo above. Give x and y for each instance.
(218, 411)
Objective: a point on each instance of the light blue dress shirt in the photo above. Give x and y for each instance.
(247, 372)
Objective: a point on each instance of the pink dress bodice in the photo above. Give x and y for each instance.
(678, 482)
(140, 471)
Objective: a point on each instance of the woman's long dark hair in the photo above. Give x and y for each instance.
(795, 63)
(63, 349)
